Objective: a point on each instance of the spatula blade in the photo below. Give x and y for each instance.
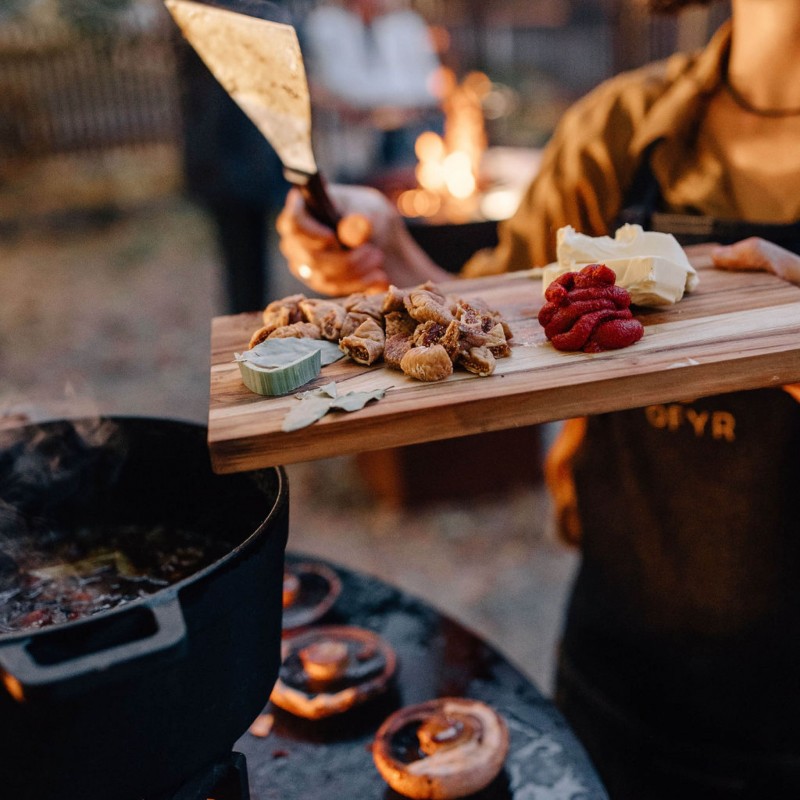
(258, 61)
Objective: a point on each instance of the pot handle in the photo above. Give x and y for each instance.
(26, 674)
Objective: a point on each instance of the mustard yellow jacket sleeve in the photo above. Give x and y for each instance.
(587, 167)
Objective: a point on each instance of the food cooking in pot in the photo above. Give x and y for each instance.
(64, 575)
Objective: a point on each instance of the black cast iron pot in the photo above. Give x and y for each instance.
(132, 702)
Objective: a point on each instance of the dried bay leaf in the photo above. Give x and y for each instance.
(328, 390)
(315, 403)
(308, 410)
(275, 353)
(354, 401)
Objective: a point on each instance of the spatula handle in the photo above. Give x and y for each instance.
(318, 201)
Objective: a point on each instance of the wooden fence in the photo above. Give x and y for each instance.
(64, 91)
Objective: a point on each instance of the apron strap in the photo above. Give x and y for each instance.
(643, 204)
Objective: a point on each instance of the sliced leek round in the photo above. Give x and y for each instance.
(279, 366)
(281, 379)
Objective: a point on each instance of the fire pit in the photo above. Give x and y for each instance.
(135, 700)
(301, 759)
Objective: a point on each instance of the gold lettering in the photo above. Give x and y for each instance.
(697, 420)
(723, 425)
(674, 417)
(656, 416)
(670, 417)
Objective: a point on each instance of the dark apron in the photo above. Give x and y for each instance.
(644, 207)
(680, 663)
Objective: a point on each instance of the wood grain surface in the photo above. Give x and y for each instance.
(738, 330)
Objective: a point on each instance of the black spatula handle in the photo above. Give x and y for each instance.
(318, 201)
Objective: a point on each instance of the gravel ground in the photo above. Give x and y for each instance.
(113, 317)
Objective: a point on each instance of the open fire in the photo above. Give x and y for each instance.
(448, 172)
(459, 178)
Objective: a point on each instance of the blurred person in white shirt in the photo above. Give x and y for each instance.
(373, 71)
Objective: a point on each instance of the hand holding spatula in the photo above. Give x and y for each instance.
(252, 50)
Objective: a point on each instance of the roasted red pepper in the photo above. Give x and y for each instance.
(586, 311)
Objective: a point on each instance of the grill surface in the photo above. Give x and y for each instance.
(436, 657)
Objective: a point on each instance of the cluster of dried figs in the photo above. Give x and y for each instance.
(420, 331)
(586, 311)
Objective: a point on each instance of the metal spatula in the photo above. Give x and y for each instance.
(252, 50)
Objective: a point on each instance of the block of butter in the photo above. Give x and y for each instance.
(652, 266)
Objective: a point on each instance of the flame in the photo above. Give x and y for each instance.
(13, 687)
(448, 171)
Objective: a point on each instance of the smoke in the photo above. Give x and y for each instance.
(46, 466)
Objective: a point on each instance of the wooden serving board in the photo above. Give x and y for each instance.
(738, 330)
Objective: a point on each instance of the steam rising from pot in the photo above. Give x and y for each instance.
(66, 548)
(42, 466)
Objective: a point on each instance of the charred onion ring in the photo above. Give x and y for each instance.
(291, 588)
(309, 591)
(441, 749)
(330, 669)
